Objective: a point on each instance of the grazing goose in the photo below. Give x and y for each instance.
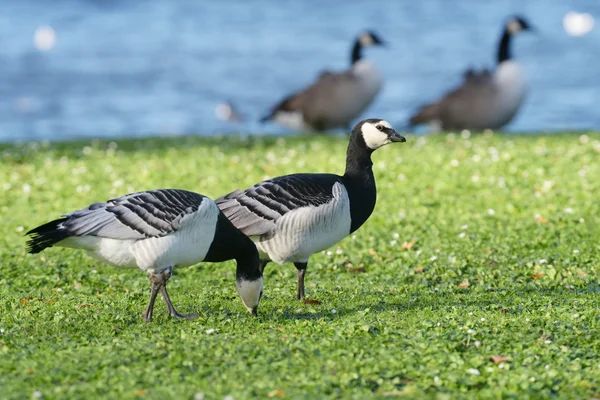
(157, 231)
(485, 100)
(336, 98)
(294, 216)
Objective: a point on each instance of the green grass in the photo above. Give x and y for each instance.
(502, 258)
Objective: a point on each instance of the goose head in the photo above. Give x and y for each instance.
(517, 24)
(376, 133)
(250, 292)
(369, 38)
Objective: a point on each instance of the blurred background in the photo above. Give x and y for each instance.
(103, 68)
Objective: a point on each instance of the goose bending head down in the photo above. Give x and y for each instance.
(485, 100)
(335, 99)
(157, 231)
(294, 216)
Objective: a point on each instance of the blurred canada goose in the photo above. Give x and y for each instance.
(294, 216)
(485, 100)
(157, 231)
(336, 98)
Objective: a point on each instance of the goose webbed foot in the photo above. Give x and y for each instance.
(172, 311)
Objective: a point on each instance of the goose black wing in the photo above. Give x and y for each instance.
(256, 210)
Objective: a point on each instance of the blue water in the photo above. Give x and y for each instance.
(160, 67)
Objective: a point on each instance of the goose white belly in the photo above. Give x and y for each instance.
(512, 88)
(182, 248)
(307, 230)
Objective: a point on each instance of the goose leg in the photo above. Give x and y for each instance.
(166, 274)
(300, 271)
(156, 281)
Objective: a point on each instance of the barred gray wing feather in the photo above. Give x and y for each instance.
(256, 210)
(139, 215)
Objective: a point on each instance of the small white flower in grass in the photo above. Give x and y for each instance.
(118, 183)
(339, 251)
(1, 330)
(482, 319)
(87, 150)
(228, 398)
(575, 251)
(334, 311)
(396, 235)
(501, 365)
(547, 341)
(393, 243)
(584, 139)
(474, 371)
(26, 188)
(329, 253)
(470, 331)
(526, 319)
(476, 157)
(433, 258)
(470, 313)
(462, 235)
(210, 331)
(418, 252)
(436, 289)
(94, 271)
(477, 343)
(37, 394)
(475, 178)
(491, 211)
(465, 134)
(199, 396)
(59, 289)
(547, 366)
(401, 177)
(455, 163)
(581, 220)
(298, 310)
(436, 380)
(353, 237)
(568, 210)
(575, 315)
(439, 324)
(20, 229)
(542, 261)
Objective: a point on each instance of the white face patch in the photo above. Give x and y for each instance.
(366, 40)
(514, 26)
(374, 138)
(249, 292)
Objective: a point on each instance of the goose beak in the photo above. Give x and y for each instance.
(395, 137)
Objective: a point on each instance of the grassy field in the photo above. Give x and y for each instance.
(476, 277)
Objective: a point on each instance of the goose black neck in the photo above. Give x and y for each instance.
(356, 51)
(247, 262)
(359, 182)
(504, 47)
(229, 243)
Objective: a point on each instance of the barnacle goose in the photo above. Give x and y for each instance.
(336, 98)
(157, 231)
(294, 216)
(485, 100)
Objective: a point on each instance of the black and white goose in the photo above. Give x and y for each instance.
(294, 216)
(157, 231)
(336, 98)
(485, 100)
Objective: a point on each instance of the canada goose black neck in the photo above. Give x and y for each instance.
(356, 51)
(359, 180)
(504, 47)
